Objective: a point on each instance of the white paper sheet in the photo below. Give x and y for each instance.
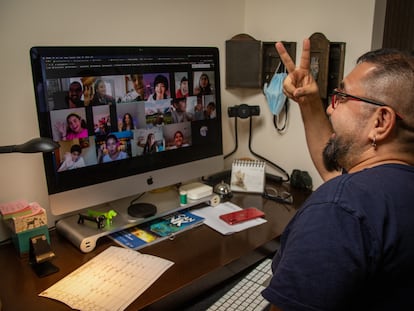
(211, 215)
(110, 281)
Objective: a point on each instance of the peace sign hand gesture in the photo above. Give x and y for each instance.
(299, 85)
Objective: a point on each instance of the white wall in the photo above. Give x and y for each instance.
(24, 24)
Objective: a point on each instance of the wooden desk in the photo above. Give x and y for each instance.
(202, 257)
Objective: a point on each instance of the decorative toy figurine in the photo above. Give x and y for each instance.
(108, 215)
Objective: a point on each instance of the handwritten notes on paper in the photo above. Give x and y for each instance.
(110, 281)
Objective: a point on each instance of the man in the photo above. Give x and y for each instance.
(351, 245)
(138, 93)
(74, 95)
(73, 159)
(179, 111)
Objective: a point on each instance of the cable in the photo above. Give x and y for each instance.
(236, 138)
(137, 198)
(250, 141)
(263, 158)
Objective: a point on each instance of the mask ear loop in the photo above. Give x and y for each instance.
(276, 118)
(286, 110)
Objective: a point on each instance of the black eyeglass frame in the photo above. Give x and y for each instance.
(278, 196)
(336, 92)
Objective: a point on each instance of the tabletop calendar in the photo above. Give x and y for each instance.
(248, 176)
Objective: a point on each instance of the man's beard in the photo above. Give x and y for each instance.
(76, 99)
(334, 153)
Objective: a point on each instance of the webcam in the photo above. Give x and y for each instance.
(243, 111)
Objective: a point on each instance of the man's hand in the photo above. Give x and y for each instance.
(299, 84)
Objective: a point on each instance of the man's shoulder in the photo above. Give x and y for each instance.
(369, 185)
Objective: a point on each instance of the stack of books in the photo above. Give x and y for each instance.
(156, 230)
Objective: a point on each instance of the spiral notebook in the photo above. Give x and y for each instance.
(248, 176)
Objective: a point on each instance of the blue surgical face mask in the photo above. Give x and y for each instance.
(274, 93)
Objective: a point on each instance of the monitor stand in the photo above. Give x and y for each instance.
(85, 235)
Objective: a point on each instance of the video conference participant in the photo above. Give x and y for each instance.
(74, 127)
(100, 97)
(183, 89)
(74, 97)
(203, 87)
(73, 159)
(111, 150)
(138, 93)
(179, 111)
(160, 89)
(178, 141)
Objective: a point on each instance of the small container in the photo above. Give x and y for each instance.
(183, 197)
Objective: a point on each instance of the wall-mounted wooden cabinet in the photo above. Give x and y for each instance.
(327, 64)
(251, 63)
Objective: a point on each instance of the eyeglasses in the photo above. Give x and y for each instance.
(339, 97)
(278, 196)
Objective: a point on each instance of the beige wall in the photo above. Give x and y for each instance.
(24, 24)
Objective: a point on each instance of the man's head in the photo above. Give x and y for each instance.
(372, 113)
(178, 138)
(75, 92)
(139, 85)
(112, 144)
(75, 152)
(180, 104)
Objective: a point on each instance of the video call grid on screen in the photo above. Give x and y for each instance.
(104, 108)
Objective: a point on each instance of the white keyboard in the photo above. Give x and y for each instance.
(246, 294)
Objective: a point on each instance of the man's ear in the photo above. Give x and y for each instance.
(384, 123)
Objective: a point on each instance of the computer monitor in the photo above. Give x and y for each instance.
(128, 119)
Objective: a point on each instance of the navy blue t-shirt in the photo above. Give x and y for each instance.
(350, 246)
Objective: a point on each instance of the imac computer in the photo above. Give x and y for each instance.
(129, 120)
